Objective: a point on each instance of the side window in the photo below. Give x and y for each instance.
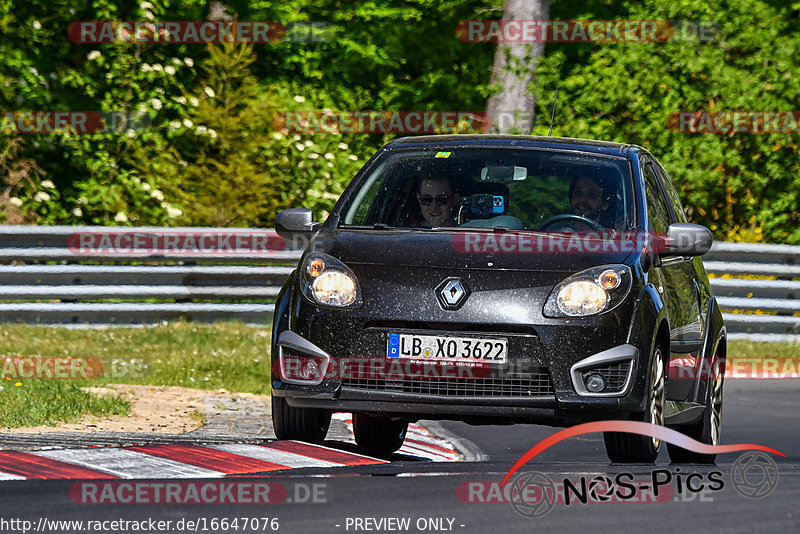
(673, 195)
(656, 206)
(360, 208)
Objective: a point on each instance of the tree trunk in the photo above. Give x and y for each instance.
(512, 109)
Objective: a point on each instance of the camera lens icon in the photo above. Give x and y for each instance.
(754, 475)
(532, 494)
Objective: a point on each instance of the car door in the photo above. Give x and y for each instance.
(678, 290)
(693, 340)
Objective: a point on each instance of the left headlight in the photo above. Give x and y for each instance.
(329, 282)
(589, 292)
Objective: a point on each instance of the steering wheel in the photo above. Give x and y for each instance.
(571, 217)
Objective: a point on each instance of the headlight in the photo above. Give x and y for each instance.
(334, 288)
(581, 298)
(589, 292)
(327, 281)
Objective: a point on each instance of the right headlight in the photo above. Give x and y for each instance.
(589, 292)
(327, 281)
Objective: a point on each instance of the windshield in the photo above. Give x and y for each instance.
(517, 189)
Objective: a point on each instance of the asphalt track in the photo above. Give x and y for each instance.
(433, 495)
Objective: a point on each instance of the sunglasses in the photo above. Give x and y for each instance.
(441, 200)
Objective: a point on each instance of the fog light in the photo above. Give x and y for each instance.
(311, 370)
(595, 383)
(297, 369)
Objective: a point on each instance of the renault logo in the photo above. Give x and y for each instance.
(452, 293)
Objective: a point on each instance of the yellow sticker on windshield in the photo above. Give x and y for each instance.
(443, 154)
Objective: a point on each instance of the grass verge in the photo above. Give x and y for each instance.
(48, 402)
(230, 356)
(747, 350)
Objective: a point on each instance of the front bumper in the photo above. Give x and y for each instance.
(554, 395)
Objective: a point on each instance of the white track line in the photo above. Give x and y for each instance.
(288, 459)
(128, 464)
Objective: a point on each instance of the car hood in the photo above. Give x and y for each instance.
(522, 251)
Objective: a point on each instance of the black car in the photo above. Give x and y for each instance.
(500, 279)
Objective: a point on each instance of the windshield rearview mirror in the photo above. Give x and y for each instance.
(503, 173)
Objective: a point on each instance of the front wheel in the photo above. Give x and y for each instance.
(302, 424)
(380, 434)
(707, 429)
(624, 447)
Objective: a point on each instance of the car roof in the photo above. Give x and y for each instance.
(523, 141)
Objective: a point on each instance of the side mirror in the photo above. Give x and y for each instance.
(296, 222)
(684, 239)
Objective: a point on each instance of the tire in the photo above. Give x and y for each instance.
(301, 424)
(623, 447)
(379, 433)
(708, 429)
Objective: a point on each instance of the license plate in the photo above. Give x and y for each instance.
(447, 348)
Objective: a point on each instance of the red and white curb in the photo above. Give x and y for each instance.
(182, 460)
(419, 442)
(173, 461)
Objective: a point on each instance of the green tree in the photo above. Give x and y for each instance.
(224, 164)
(626, 92)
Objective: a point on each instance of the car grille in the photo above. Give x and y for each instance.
(615, 375)
(535, 384)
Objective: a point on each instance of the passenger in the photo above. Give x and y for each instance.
(438, 201)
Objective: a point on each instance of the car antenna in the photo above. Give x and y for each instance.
(553, 114)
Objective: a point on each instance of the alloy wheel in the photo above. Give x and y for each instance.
(657, 393)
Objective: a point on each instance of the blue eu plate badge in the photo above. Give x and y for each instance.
(394, 345)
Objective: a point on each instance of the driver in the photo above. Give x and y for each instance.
(587, 197)
(438, 201)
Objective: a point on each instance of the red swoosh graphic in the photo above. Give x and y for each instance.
(634, 427)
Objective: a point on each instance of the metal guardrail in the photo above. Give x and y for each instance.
(46, 278)
(138, 283)
(757, 309)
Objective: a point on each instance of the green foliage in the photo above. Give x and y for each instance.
(626, 92)
(224, 162)
(18, 175)
(378, 55)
